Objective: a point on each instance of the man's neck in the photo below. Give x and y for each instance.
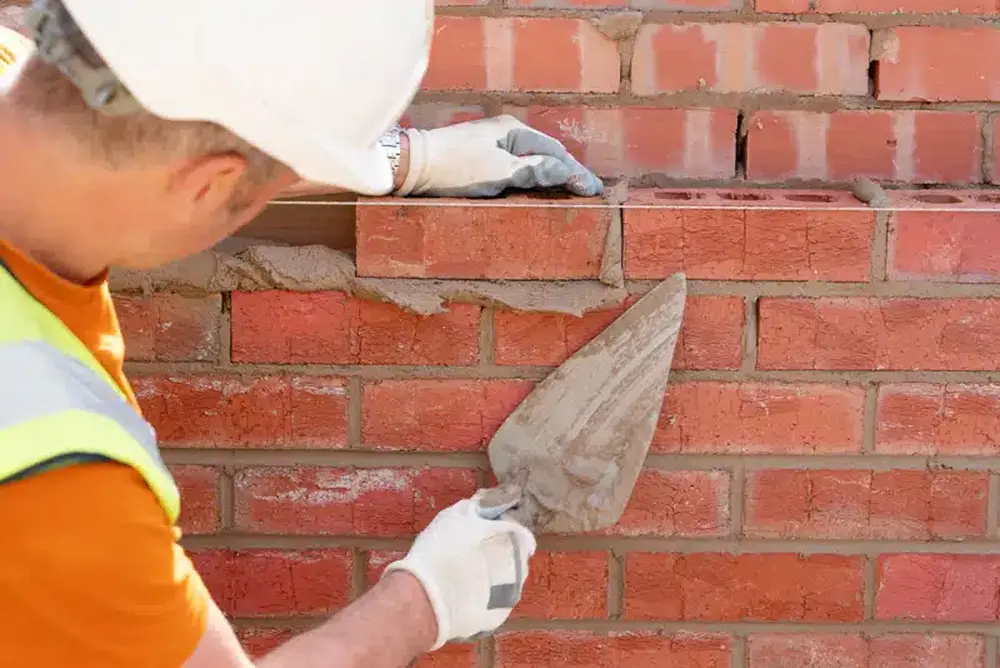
(40, 204)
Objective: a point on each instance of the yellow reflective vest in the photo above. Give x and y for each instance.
(59, 406)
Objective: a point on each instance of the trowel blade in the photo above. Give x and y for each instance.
(574, 447)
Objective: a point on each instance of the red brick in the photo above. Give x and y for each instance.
(880, 334)
(940, 245)
(745, 242)
(936, 64)
(933, 651)
(782, 6)
(812, 650)
(333, 328)
(442, 415)
(345, 501)
(923, 419)
(711, 335)
(677, 5)
(822, 650)
(938, 587)
(560, 585)
(760, 418)
(428, 115)
(267, 582)
(857, 505)
(677, 503)
(453, 655)
(555, 649)
(482, 242)
(558, 55)
(811, 59)
(636, 141)
(748, 587)
(565, 585)
(170, 328)
(258, 641)
(232, 411)
(879, 6)
(905, 146)
(199, 486)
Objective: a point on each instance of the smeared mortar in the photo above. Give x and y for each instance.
(251, 265)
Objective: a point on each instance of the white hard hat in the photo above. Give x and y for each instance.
(313, 83)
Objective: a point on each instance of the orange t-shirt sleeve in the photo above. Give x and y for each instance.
(91, 574)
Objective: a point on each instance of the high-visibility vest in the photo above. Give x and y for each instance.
(59, 406)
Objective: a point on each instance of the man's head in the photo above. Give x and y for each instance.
(232, 108)
(166, 188)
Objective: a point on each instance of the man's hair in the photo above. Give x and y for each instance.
(47, 95)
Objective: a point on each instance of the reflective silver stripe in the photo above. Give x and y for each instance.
(507, 595)
(37, 380)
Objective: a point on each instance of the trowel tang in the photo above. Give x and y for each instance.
(503, 502)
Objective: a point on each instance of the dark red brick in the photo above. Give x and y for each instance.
(333, 328)
(343, 501)
(747, 587)
(233, 411)
(166, 327)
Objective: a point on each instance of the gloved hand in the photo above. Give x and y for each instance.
(472, 568)
(485, 157)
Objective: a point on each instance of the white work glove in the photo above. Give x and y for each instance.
(472, 568)
(485, 157)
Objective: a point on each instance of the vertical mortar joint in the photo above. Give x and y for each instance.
(740, 166)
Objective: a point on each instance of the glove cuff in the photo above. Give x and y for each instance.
(433, 593)
(418, 162)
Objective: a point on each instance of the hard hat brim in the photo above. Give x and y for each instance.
(298, 107)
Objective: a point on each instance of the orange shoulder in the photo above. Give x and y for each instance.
(91, 573)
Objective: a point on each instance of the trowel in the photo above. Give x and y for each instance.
(568, 457)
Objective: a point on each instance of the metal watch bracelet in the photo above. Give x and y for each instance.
(391, 143)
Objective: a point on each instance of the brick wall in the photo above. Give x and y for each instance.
(823, 489)
(721, 91)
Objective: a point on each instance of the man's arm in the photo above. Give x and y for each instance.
(462, 577)
(479, 159)
(308, 188)
(390, 625)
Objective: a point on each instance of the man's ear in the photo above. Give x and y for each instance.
(205, 185)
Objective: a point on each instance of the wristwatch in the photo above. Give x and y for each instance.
(391, 145)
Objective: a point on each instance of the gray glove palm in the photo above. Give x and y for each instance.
(486, 157)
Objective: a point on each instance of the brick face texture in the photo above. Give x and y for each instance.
(823, 486)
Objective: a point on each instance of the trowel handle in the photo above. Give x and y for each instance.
(501, 501)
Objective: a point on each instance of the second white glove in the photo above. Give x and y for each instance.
(472, 569)
(485, 157)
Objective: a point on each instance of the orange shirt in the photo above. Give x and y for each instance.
(91, 573)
